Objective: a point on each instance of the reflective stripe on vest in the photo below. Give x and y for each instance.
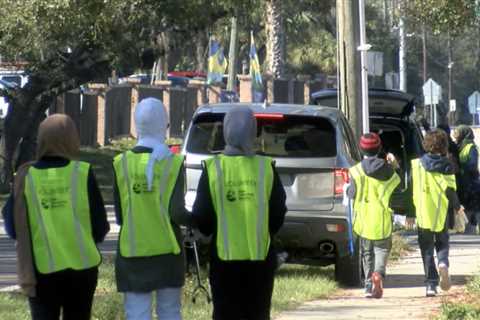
(371, 204)
(431, 202)
(245, 205)
(146, 229)
(60, 240)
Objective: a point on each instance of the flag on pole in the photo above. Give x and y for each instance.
(217, 63)
(255, 72)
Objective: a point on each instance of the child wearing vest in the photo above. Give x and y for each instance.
(372, 184)
(150, 208)
(57, 216)
(434, 194)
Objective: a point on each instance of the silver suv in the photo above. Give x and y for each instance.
(313, 147)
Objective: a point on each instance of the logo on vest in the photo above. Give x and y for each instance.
(231, 196)
(142, 187)
(52, 203)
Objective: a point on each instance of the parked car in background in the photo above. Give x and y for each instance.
(10, 80)
(313, 147)
(391, 116)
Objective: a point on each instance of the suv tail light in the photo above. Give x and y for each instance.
(269, 116)
(175, 148)
(341, 177)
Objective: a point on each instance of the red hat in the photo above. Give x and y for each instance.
(370, 142)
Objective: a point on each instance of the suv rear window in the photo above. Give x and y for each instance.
(277, 136)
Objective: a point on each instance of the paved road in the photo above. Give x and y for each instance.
(404, 295)
(8, 256)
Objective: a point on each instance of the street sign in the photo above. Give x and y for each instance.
(375, 63)
(474, 102)
(432, 92)
(453, 105)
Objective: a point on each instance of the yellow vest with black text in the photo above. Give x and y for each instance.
(429, 197)
(59, 218)
(373, 216)
(146, 227)
(240, 188)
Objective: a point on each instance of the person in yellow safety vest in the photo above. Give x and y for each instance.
(434, 193)
(373, 181)
(469, 184)
(241, 202)
(149, 195)
(56, 214)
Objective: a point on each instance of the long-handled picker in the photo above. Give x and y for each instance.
(200, 288)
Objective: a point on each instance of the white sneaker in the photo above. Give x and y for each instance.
(444, 277)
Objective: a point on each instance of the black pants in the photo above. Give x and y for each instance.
(242, 290)
(70, 292)
(429, 242)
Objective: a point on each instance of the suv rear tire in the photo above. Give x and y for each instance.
(348, 269)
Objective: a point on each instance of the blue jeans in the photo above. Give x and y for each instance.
(138, 305)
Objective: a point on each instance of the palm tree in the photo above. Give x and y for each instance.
(275, 59)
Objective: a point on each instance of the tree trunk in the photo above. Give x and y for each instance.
(201, 51)
(275, 39)
(349, 63)
(163, 43)
(28, 105)
(232, 56)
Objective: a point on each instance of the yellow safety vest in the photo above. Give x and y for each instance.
(240, 188)
(465, 153)
(59, 217)
(373, 216)
(146, 227)
(429, 197)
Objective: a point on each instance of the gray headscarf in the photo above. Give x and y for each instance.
(239, 130)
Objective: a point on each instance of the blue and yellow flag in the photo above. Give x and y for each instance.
(217, 63)
(255, 73)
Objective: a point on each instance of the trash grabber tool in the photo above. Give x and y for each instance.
(200, 288)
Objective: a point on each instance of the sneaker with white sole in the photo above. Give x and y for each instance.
(368, 290)
(431, 290)
(444, 277)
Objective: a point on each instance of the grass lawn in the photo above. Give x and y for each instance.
(463, 305)
(294, 284)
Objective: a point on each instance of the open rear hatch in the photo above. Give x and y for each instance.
(382, 102)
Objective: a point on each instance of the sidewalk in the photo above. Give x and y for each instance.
(404, 293)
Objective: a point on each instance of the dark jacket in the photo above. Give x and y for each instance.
(205, 219)
(98, 216)
(469, 182)
(441, 164)
(373, 167)
(146, 274)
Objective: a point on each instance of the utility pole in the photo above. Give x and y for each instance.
(350, 89)
(232, 55)
(450, 65)
(424, 50)
(402, 61)
(363, 48)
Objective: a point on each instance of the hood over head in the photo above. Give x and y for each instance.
(151, 122)
(58, 136)
(377, 168)
(437, 163)
(463, 135)
(239, 131)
